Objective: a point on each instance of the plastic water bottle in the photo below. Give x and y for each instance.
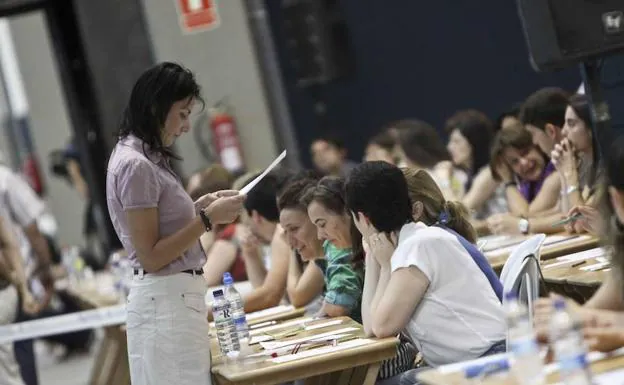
(236, 306)
(527, 365)
(74, 264)
(566, 339)
(224, 323)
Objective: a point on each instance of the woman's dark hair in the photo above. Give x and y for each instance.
(152, 96)
(420, 142)
(384, 140)
(379, 191)
(580, 105)
(329, 192)
(291, 194)
(478, 130)
(513, 112)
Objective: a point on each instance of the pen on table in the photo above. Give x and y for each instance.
(578, 264)
(567, 220)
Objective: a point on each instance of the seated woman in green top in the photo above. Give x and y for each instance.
(334, 260)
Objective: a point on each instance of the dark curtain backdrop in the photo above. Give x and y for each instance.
(418, 59)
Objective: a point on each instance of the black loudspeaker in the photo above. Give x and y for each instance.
(317, 40)
(564, 32)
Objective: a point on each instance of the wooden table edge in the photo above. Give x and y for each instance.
(385, 347)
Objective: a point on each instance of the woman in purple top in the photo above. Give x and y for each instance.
(159, 226)
(532, 189)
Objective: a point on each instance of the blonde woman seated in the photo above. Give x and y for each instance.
(420, 278)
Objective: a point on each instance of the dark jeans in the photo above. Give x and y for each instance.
(409, 377)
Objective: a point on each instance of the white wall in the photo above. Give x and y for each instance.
(50, 125)
(225, 63)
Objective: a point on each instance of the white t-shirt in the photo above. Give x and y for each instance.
(459, 317)
(22, 206)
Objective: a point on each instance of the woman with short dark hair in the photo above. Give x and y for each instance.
(159, 226)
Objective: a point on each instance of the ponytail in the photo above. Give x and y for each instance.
(458, 220)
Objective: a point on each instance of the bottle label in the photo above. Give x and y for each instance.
(571, 363)
(524, 346)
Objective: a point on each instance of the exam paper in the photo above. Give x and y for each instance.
(280, 344)
(257, 180)
(324, 350)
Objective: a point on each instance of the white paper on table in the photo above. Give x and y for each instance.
(550, 241)
(270, 311)
(259, 338)
(596, 266)
(324, 350)
(257, 179)
(262, 330)
(324, 324)
(280, 344)
(577, 257)
(591, 357)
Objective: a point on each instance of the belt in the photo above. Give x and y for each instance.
(189, 271)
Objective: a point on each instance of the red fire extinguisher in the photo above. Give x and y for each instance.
(225, 137)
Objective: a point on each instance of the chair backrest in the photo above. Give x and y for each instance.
(521, 273)
(531, 246)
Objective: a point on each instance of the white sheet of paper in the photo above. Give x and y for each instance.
(324, 324)
(549, 242)
(256, 180)
(280, 344)
(324, 350)
(596, 266)
(576, 257)
(262, 330)
(591, 357)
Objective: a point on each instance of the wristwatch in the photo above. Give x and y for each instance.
(511, 183)
(205, 219)
(523, 225)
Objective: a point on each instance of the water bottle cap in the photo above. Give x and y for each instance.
(217, 293)
(560, 304)
(511, 296)
(227, 279)
(240, 320)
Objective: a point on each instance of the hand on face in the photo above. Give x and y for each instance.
(563, 156)
(382, 246)
(504, 171)
(248, 241)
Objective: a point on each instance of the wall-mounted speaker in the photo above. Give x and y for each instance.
(560, 33)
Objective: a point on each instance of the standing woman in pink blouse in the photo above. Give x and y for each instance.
(159, 226)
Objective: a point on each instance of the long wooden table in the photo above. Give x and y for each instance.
(358, 363)
(571, 244)
(579, 275)
(111, 361)
(435, 377)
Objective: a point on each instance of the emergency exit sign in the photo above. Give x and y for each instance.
(198, 15)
